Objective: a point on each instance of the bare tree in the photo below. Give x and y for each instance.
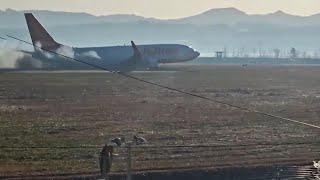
(276, 53)
(293, 53)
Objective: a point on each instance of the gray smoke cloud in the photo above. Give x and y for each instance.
(11, 57)
(27, 62)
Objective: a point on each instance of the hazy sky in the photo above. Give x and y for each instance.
(165, 8)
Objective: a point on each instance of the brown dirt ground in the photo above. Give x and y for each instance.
(88, 108)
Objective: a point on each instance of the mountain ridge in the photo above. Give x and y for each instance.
(208, 31)
(229, 16)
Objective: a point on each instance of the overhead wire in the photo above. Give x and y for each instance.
(171, 88)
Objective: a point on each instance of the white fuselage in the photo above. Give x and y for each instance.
(160, 53)
(117, 58)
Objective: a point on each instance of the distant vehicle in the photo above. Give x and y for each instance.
(115, 58)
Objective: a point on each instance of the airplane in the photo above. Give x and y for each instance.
(115, 58)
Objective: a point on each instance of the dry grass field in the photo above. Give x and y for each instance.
(72, 109)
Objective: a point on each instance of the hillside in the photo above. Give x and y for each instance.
(209, 31)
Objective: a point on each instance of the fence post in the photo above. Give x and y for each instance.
(103, 165)
(129, 162)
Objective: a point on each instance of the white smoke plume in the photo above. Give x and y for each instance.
(62, 50)
(38, 47)
(11, 57)
(8, 58)
(91, 54)
(66, 51)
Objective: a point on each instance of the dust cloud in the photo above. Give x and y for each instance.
(12, 58)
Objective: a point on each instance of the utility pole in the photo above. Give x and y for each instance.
(137, 141)
(105, 161)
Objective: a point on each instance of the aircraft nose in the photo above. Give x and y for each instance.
(197, 54)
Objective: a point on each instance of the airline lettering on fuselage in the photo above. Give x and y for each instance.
(159, 51)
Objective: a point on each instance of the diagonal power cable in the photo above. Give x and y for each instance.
(174, 89)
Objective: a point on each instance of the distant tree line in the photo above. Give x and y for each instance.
(276, 53)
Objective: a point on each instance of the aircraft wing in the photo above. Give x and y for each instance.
(139, 59)
(137, 55)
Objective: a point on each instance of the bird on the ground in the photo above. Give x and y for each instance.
(118, 141)
(139, 140)
(316, 164)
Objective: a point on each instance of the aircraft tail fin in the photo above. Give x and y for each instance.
(40, 37)
(136, 51)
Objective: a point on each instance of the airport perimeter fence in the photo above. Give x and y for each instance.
(146, 158)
